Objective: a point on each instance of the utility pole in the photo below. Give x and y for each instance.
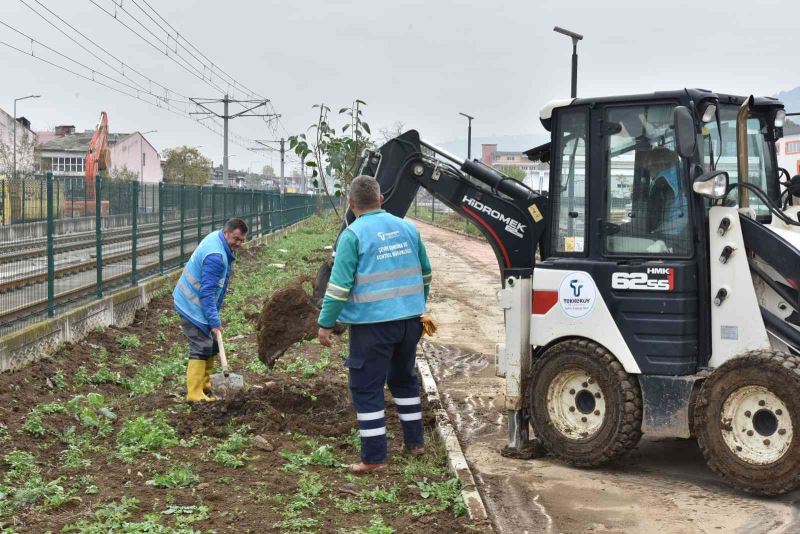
(250, 107)
(575, 38)
(469, 134)
(265, 144)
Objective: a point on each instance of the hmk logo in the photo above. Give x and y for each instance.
(576, 288)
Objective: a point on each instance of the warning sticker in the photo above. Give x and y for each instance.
(535, 213)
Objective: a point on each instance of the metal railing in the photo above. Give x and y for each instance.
(59, 248)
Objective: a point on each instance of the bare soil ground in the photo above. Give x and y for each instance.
(662, 486)
(97, 438)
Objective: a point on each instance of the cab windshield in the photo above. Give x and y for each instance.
(719, 152)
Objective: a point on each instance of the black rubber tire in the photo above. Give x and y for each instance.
(779, 373)
(622, 425)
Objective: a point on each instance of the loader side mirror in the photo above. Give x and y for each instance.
(684, 131)
(713, 184)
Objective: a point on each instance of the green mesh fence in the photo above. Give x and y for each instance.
(64, 242)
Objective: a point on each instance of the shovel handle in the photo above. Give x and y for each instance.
(222, 359)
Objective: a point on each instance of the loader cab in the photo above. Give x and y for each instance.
(623, 209)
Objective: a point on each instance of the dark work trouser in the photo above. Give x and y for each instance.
(385, 353)
(201, 345)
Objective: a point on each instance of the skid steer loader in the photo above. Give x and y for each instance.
(665, 301)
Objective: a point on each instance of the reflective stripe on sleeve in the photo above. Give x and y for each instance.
(426, 279)
(336, 292)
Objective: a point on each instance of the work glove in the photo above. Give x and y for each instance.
(428, 326)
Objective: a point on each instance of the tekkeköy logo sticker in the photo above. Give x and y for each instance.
(577, 294)
(388, 235)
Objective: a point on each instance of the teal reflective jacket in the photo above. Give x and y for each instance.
(388, 281)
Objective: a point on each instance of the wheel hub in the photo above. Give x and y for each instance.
(576, 404)
(757, 426)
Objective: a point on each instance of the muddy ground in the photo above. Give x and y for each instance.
(662, 486)
(97, 437)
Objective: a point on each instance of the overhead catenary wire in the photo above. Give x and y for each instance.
(156, 104)
(184, 63)
(122, 65)
(204, 60)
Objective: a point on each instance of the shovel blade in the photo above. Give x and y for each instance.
(221, 384)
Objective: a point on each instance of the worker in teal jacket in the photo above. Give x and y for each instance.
(379, 286)
(198, 297)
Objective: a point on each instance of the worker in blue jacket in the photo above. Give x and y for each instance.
(379, 286)
(198, 297)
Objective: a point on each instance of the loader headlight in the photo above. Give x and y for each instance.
(780, 118)
(708, 113)
(713, 184)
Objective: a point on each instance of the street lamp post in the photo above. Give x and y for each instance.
(469, 134)
(14, 171)
(575, 38)
(141, 154)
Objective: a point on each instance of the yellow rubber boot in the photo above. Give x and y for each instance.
(195, 374)
(207, 377)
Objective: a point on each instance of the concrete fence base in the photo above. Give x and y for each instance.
(33, 342)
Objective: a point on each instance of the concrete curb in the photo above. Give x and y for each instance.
(455, 456)
(37, 340)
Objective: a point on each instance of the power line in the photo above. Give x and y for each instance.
(122, 65)
(120, 91)
(200, 76)
(179, 37)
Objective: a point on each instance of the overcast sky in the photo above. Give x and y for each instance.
(417, 62)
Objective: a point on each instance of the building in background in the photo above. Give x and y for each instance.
(788, 149)
(537, 174)
(26, 143)
(62, 151)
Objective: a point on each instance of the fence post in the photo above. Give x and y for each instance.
(98, 232)
(134, 229)
(199, 213)
(23, 200)
(225, 216)
(433, 208)
(51, 267)
(213, 206)
(183, 216)
(161, 227)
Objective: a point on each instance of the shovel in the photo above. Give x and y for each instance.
(225, 382)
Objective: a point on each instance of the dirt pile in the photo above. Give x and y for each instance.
(319, 407)
(286, 318)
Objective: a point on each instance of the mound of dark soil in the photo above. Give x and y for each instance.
(315, 408)
(286, 318)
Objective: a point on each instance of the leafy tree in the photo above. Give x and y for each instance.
(268, 171)
(186, 165)
(124, 173)
(517, 173)
(330, 155)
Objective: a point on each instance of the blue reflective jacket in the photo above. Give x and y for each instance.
(200, 291)
(388, 282)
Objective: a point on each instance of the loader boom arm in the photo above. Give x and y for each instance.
(510, 215)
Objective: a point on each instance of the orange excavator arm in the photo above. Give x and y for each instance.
(98, 157)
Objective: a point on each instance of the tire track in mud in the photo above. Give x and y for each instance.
(661, 486)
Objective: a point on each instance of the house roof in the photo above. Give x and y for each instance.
(78, 142)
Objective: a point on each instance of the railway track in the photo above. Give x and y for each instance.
(39, 304)
(32, 248)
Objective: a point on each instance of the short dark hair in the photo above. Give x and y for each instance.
(365, 192)
(236, 224)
